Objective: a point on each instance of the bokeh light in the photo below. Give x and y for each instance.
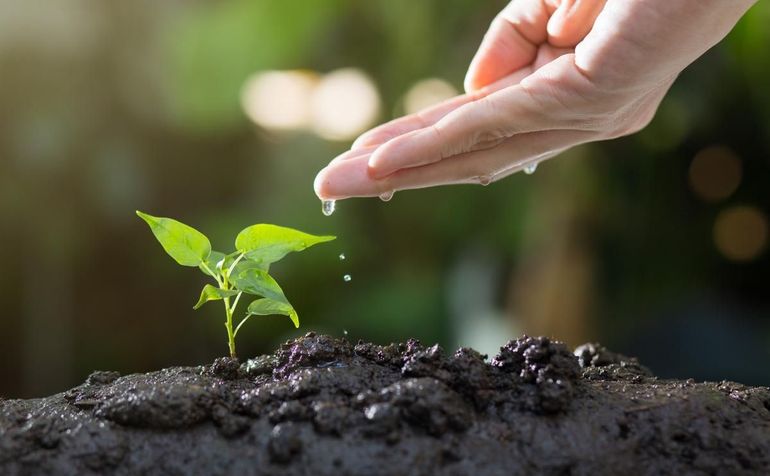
(740, 233)
(426, 93)
(715, 173)
(344, 104)
(279, 100)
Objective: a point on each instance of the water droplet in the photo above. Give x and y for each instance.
(386, 196)
(342, 256)
(529, 169)
(345, 331)
(485, 180)
(347, 278)
(327, 207)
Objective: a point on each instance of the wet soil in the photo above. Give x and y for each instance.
(325, 406)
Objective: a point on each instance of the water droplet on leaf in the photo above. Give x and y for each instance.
(327, 207)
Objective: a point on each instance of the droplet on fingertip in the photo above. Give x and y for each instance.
(328, 206)
(386, 196)
(484, 180)
(530, 169)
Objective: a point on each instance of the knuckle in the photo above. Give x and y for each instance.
(487, 139)
(443, 137)
(492, 124)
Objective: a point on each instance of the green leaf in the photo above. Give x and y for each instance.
(258, 282)
(269, 243)
(185, 244)
(266, 307)
(214, 258)
(212, 293)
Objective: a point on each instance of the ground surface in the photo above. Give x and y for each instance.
(322, 406)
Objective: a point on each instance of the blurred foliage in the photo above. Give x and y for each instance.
(112, 106)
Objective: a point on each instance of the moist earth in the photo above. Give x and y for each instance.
(324, 406)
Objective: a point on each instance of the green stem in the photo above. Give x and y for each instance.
(232, 266)
(235, 302)
(224, 284)
(213, 274)
(229, 327)
(241, 324)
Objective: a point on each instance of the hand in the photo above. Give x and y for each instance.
(549, 75)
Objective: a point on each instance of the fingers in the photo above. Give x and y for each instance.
(572, 21)
(355, 153)
(350, 178)
(477, 125)
(524, 27)
(489, 165)
(431, 115)
(510, 44)
(402, 125)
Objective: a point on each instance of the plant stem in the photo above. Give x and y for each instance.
(212, 273)
(235, 302)
(224, 284)
(229, 327)
(232, 266)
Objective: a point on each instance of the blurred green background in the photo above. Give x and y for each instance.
(219, 113)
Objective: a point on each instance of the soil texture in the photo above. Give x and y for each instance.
(324, 406)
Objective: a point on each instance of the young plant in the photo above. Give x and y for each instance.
(245, 271)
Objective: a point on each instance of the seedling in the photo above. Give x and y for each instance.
(245, 271)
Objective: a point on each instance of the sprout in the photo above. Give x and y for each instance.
(244, 271)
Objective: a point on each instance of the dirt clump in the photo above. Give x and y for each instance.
(321, 405)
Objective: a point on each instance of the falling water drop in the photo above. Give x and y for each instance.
(386, 196)
(347, 278)
(342, 256)
(485, 180)
(529, 169)
(345, 331)
(327, 207)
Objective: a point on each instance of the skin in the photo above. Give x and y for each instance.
(549, 75)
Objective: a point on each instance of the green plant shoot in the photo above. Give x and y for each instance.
(244, 271)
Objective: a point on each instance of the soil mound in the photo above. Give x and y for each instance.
(324, 406)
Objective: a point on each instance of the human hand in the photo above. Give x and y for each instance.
(549, 75)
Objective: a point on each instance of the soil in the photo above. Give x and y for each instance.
(325, 406)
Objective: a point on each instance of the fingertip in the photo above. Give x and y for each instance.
(345, 179)
(571, 22)
(376, 169)
(319, 184)
(329, 183)
(380, 163)
(469, 84)
(360, 142)
(555, 25)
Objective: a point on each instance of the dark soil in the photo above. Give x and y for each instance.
(323, 406)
